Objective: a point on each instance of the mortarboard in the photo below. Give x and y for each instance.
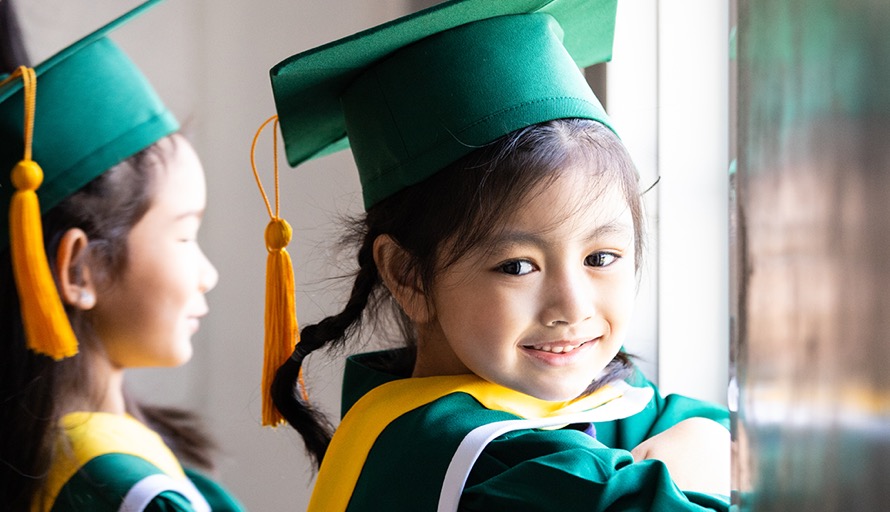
(415, 94)
(92, 110)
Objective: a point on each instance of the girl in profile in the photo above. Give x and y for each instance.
(101, 271)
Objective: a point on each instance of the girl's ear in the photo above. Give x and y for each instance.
(76, 285)
(392, 263)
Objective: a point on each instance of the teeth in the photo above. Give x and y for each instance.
(555, 350)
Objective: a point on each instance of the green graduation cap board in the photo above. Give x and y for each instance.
(94, 109)
(414, 95)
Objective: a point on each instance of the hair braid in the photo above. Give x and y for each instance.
(310, 422)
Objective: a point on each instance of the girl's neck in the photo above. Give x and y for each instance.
(104, 391)
(435, 356)
(112, 399)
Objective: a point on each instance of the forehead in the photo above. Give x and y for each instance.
(180, 177)
(576, 197)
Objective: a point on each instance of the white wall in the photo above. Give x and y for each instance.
(693, 217)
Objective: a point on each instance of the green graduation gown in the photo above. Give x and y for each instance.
(108, 462)
(530, 469)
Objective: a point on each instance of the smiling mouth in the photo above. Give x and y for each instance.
(560, 348)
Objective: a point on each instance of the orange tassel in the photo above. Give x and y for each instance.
(281, 321)
(47, 328)
(281, 329)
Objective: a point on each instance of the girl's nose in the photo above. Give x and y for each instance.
(569, 300)
(209, 275)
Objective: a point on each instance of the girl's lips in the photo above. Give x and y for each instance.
(557, 347)
(194, 321)
(561, 353)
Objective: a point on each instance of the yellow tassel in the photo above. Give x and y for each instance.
(281, 329)
(47, 328)
(281, 322)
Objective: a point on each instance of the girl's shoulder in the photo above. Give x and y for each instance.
(414, 428)
(107, 461)
(116, 481)
(662, 413)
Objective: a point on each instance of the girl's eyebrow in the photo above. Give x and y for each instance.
(190, 213)
(519, 238)
(508, 239)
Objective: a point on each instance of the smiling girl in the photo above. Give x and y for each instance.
(116, 281)
(504, 225)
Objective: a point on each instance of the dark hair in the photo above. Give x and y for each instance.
(461, 206)
(33, 387)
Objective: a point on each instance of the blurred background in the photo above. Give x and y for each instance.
(811, 239)
(667, 89)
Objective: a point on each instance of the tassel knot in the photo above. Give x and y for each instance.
(27, 175)
(278, 234)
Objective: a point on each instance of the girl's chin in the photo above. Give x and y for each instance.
(556, 395)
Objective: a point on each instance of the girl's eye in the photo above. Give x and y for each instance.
(600, 259)
(517, 267)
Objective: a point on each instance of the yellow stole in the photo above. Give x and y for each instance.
(87, 435)
(367, 419)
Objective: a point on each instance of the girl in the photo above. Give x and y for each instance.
(504, 225)
(122, 196)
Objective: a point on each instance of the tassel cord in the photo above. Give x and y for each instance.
(29, 79)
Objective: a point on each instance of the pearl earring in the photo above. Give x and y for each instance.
(85, 299)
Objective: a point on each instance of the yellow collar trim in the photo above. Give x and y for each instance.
(87, 435)
(378, 408)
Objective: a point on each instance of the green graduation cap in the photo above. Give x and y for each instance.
(62, 124)
(415, 94)
(94, 109)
